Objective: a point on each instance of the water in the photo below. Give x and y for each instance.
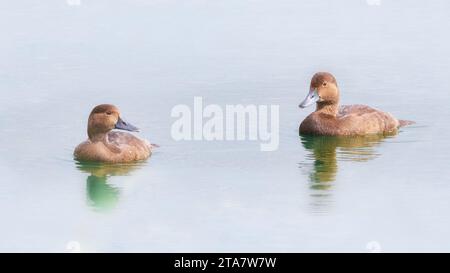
(312, 194)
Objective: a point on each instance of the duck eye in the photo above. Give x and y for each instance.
(108, 113)
(324, 83)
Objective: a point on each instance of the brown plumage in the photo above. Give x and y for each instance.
(105, 145)
(348, 120)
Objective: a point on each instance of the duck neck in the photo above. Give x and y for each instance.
(103, 138)
(328, 108)
(97, 137)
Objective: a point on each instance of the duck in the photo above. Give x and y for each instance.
(331, 119)
(105, 144)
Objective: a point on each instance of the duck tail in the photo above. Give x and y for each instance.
(403, 122)
(151, 145)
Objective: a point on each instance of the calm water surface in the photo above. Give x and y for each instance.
(312, 194)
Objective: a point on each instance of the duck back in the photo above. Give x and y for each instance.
(351, 120)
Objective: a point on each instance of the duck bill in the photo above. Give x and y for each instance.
(310, 99)
(122, 125)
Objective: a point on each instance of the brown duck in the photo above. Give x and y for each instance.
(106, 145)
(330, 119)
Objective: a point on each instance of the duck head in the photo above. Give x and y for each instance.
(104, 118)
(323, 90)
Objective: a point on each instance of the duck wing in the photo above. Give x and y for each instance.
(366, 120)
(122, 139)
(356, 109)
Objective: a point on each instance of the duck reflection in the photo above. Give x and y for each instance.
(325, 153)
(102, 195)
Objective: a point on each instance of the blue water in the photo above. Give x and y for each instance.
(58, 60)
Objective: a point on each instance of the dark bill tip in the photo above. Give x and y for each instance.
(122, 125)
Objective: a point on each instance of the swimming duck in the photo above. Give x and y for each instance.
(347, 120)
(105, 145)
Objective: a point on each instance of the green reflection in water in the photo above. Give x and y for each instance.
(100, 194)
(326, 151)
